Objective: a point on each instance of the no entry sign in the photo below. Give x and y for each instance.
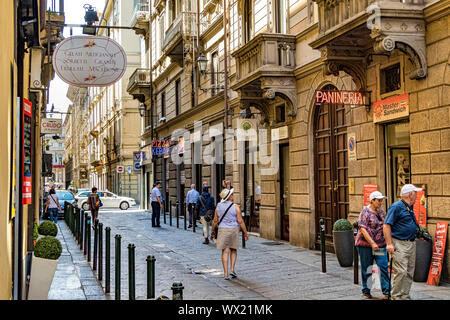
(120, 169)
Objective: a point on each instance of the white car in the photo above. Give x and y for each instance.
(109, 200)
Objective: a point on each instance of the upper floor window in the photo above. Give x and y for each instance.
(280, 16)
(163, 104)
(248, 20)
(214, 73)
(177, 97)
(175, 9)
(390, 78)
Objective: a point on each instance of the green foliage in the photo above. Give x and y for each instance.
(342, 225)
(48, 228)
(48, 248)
(35, 231)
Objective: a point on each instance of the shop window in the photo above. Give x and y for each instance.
(390, 78)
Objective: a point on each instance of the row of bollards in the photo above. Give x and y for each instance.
(80, 224)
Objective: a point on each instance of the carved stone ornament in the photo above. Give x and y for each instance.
(269, 94)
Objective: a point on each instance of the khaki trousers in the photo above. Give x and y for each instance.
(403, 268)
(205, 227)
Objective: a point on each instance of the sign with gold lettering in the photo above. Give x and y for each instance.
(391, 108)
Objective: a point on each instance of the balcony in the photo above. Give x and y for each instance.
(139, 84)
(95, 160)
(141, 18)
(349, 29)
(265, 69)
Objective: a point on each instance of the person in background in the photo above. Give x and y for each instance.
(371, 245)
(400, 231)
(205, 203)
(93, 205)
(52, 205)
(191, 201)
(228, 217)
(156, 205)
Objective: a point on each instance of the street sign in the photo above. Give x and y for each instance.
(129, 169)
(351, 143)
(120, 169)
(137, 166)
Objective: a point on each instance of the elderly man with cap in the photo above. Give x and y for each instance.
(371, 244)
(400, 231)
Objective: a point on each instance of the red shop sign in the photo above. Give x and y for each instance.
(438, 254)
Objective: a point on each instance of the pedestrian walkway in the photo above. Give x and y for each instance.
(266, 269)
(74, 278)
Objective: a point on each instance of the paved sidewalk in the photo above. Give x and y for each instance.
(266, 269)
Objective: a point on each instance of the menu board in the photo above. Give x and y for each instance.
(27, 114)
(437, 259)
(368, 189)
(420, 207)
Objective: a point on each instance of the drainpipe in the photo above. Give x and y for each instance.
(225, 62)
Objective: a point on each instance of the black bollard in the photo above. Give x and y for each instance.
(76, 225)
(100, 251)
(177, 291)
(81, 229)
(95, 244)
(178, 213)
(322, 245)
(355, 255)
(194, 219)
(170, 212)
(117, 258)
(85, 232)
(164, 210)
(131, 272)
(150, 277)
(89, 239)
(184, 215)
(108, 260)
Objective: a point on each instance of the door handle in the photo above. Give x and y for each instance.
(330, 185)
(336, 187)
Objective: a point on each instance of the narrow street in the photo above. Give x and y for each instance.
(266, 269)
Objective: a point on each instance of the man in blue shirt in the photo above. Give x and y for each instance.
(191, 201)
(156, 205)
(400, 230)
(205, 203)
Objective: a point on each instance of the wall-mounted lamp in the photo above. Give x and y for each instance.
(141, 109)
(90, 17)
(202, 61)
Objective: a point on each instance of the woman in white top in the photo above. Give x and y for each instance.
(52, 205)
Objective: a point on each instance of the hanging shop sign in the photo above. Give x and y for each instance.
(89, 61)
(27, 115)
(51, 126)
(341, 97)
(392, 108)
(437, 258)
(160, 147)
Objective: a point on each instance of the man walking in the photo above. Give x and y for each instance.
(191, 201)
(156, 205)
(400, 230)
(205, 207)
(93, 201)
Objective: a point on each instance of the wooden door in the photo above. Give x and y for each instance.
(284, 191)
(331, 166)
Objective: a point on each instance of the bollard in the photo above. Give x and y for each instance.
(81, 229)
(243, 239)
(85, 233)
(100, 251)
(117, 258)
(322, 245)
(150, 277)
(131, 272)
(355, 255)
(184, 215)
(94, 267)
(170, 212)
(108, 260)
(194, 219)
(177, 291)
(164, 209)
(89, 239)
(178, 213)
(78, 225)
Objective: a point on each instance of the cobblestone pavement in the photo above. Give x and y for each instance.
(266, 269)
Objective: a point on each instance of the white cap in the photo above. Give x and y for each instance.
(407, 188)
(377, 195)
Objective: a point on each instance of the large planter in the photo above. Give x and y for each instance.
(42, 272)
(424, 251)
(343, 247)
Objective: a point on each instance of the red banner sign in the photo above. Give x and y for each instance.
(27, 115)
(342, 97)
(437, 259)
(368, 189)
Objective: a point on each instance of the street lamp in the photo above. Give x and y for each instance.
(202, 62)
(90, 17)
(141, 109)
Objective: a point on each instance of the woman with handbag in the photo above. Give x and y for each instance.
(52, 205)
(227, 219)
(94, 205)
(205, 207)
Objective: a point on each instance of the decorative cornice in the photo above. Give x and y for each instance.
(436, 10)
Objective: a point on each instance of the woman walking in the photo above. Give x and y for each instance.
(52, 205)
(93, 201)
(371, 244)
(228, 218)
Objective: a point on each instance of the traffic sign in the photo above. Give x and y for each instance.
(137, 166)
(129, 169)
(120, 169)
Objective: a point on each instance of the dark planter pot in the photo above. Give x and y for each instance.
(343, 247)
(424, 251)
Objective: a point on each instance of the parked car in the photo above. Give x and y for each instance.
(109, 200)
(63, 196)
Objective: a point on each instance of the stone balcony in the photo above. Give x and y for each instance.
(141, 19)
(139, 84)
(349, 29)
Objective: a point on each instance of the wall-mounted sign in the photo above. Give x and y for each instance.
(120, 169)
(368, 189)
(340, 97)
(51, 126)
(437, 259)
(420, 206)
(391, 108)
(351, 145)
(27, 116)
(89, 61)
(180, 145)
(160, 147)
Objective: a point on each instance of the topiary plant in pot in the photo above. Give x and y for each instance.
(424, 252)
(343, 242)
(48, 228)
(43, 266)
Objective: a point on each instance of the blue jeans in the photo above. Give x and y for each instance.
(53, 214)
(366, 257)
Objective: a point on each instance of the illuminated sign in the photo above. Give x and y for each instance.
(340, 97)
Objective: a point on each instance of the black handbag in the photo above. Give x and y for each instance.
(209, 213)
(216, 228)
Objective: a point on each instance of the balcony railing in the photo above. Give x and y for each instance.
(184, 25)
(138, 80)
(141, 17)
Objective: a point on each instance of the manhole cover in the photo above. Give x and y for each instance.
(272, 243)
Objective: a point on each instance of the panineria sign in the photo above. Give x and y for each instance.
(89, 61)
(340, 97)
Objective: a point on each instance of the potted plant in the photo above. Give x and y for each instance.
(35, 233)
(48, 228)
(43, 266)
(343, 242)
(424, 251)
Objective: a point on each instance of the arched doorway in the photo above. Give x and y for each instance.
(330, 167)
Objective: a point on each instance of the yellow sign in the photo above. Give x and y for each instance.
(391, 108)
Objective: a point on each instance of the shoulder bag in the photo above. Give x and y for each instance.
(216, 229)
(209, 213)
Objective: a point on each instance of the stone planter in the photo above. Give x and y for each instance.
(424, 251)
(42, 272)
(343, 247)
